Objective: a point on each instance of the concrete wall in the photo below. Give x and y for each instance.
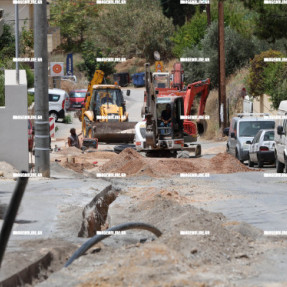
(263, 105)
(25, 13)
(14, 133)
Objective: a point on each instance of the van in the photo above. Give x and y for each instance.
(58, 102)
(241, 132)
(281, 138)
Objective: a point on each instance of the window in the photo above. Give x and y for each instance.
(54, 98)
(269, 136)
(250, 129)
(77, 94)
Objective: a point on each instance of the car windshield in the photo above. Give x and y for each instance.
(77, 94)
(161, 81)
(269, 136)
(110, 96)
(250, 129)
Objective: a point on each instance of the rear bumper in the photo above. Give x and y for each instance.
(266, 156)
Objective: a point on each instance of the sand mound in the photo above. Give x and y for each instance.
(78, 167)
(6, 170)
(132, 163)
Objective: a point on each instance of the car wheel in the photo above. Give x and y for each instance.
(54, 115)
(260, 163)
(237, 156)
(250, 163)
(279, 166)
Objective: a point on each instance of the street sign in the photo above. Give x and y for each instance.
(158, 66)
(57, 69)
(69, 65)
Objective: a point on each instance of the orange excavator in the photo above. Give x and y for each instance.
(158, 95)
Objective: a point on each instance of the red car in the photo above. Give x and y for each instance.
(30, 135)
(77, 98)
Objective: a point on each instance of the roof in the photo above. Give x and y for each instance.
(57, 91)
(251, 119)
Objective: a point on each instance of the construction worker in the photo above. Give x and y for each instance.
(73, 139)
(165, 118)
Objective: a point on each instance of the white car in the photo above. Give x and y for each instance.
(262, 149)
(281, 138)
(58, 102)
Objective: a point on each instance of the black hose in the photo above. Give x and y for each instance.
(97, 238)
(11, 213)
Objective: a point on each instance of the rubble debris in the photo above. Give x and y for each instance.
(96, 212)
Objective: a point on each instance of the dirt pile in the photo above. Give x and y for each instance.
(6, 170)
(132, 163)
(78, 167)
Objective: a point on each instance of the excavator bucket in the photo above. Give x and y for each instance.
(114, 132)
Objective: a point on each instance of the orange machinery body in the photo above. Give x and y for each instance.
(176, 89)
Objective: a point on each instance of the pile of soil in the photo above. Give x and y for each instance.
(132, 163)
(78, 167)
(6, 170)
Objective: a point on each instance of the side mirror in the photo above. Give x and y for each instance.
(128, 92)
(280, 130)
(248, 142)
(226, 131)
(233, 135)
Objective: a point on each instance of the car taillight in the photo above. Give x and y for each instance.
(63, 104)
(264, 148)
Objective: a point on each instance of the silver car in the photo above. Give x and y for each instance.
(262, 149)
(241, 132)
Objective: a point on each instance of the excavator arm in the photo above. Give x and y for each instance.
(150, 109)
(193, 89)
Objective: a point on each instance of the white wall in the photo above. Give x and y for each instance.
(14, 133)
(25, 13)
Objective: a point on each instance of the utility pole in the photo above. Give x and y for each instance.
(42, 128)
(17, 41)
(221, 58)
(208, 14)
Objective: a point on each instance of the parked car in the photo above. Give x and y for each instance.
(77, 99)
(262, 148)
(58, 102)
(30, 135)
(241, 132)
(281, 139)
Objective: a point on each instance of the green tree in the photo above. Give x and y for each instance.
(7, 43)
(238, 51)
(189, 34)
(179, 13)
(136, 29)
(90, 54)
(238, 17)
(75, 20)
(268, 77)
(269, 21)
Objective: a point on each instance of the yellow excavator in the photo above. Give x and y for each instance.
(104, 115)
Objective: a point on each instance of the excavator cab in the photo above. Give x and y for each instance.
(169, 123)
